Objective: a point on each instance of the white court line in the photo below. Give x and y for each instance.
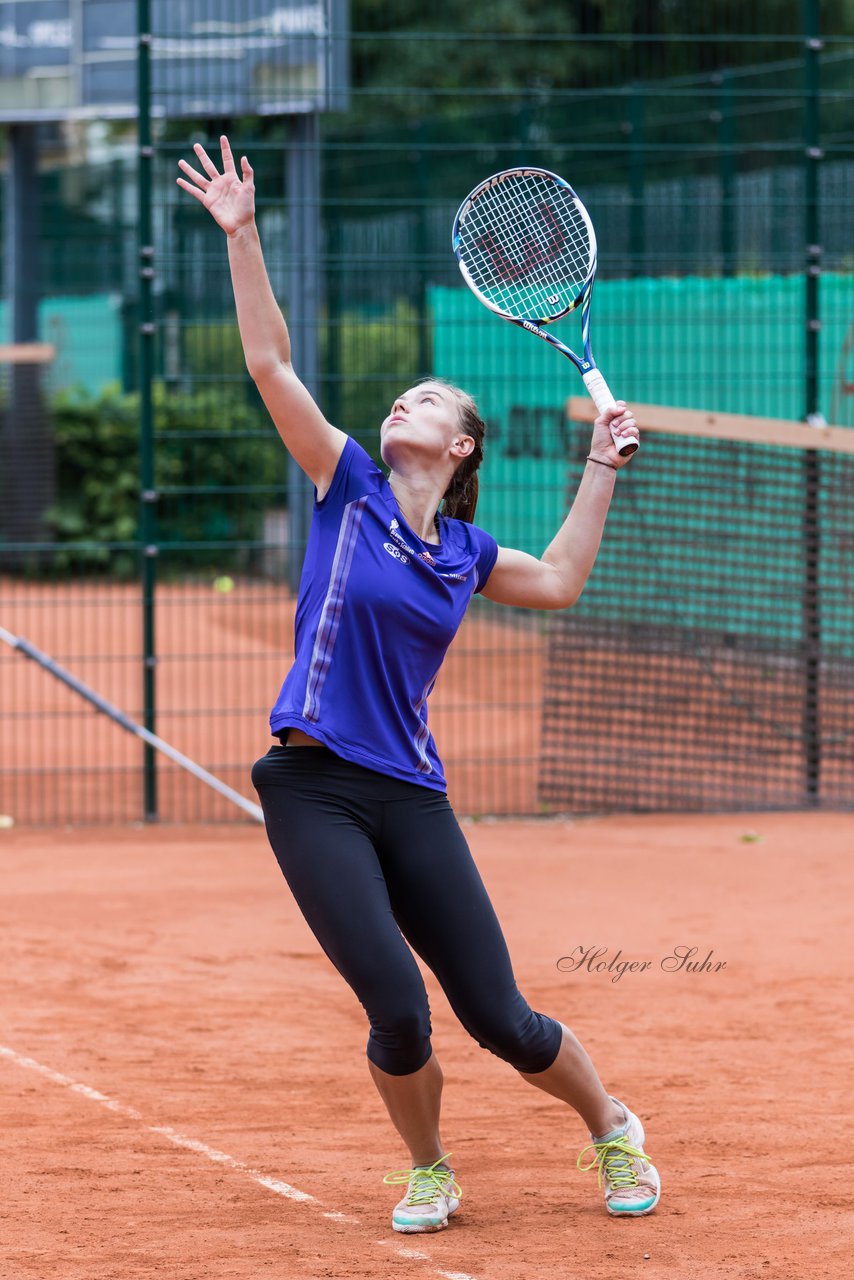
(172, 1135)
(177, 1139)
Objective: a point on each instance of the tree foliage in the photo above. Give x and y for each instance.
(541, 46)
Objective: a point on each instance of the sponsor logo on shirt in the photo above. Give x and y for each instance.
(396, 552)
(393, 530)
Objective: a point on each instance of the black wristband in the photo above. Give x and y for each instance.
(601, 463)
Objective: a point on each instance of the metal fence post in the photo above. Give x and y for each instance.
(726, 147)
(148, 495)
(303, 302)
(811, 463)
(638, 265)
(422, 248)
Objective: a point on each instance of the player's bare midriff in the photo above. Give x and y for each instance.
(296, 738)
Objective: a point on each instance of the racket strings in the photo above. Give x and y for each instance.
(526, 243)
(533, 256)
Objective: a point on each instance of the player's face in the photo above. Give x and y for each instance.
(426, 417)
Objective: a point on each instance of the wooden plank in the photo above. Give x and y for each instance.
(27, 353)
(724, 426)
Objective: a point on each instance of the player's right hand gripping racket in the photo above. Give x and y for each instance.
(527, 250)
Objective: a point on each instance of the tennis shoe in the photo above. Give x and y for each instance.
(632, 1184)
(431, 1197)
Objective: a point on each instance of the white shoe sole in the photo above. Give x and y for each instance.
(419, 1228)
(634, 1213)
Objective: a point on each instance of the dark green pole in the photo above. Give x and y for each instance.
(726, 149)
(811, 607)
(334, 315)
(522, 133)
(637, 180)
(148, 495)
(812, 158)
(303, 294)
(424, 353)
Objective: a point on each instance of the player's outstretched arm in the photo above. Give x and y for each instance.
(557, 579)
(229, 197)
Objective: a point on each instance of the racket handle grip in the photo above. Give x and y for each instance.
(602, 398)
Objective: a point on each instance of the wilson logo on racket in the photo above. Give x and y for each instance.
(527, 249)
(534, 255)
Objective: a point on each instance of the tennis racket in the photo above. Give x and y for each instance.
(527, 249)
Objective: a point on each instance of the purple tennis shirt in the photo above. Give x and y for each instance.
(376, 612)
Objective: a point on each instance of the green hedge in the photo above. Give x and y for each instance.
(369, 359)
(366, 359)
(97, 458)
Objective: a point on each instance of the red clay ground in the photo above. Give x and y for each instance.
(170, 970)
(221, 662)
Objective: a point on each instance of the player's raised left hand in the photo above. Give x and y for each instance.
(619, 418)
(228, 197)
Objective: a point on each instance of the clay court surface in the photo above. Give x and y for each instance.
(179, 1060)
(221, 660)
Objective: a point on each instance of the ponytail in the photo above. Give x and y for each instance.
(461, 494)
(460, 497)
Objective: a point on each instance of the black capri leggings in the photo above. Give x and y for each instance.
(369, 858)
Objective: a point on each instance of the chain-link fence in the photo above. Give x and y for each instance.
(717, 162)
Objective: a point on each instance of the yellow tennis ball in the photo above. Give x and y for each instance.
(224, 584)
(6, 820)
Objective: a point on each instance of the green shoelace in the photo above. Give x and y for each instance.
(427, 1182)
(614, 1159)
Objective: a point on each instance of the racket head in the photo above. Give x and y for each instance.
(525, 245)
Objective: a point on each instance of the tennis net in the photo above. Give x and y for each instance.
(709, 664)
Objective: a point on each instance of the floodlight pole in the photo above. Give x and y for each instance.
(22, 233)
(28, 445)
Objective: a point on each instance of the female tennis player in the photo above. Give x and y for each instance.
(353, 792)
